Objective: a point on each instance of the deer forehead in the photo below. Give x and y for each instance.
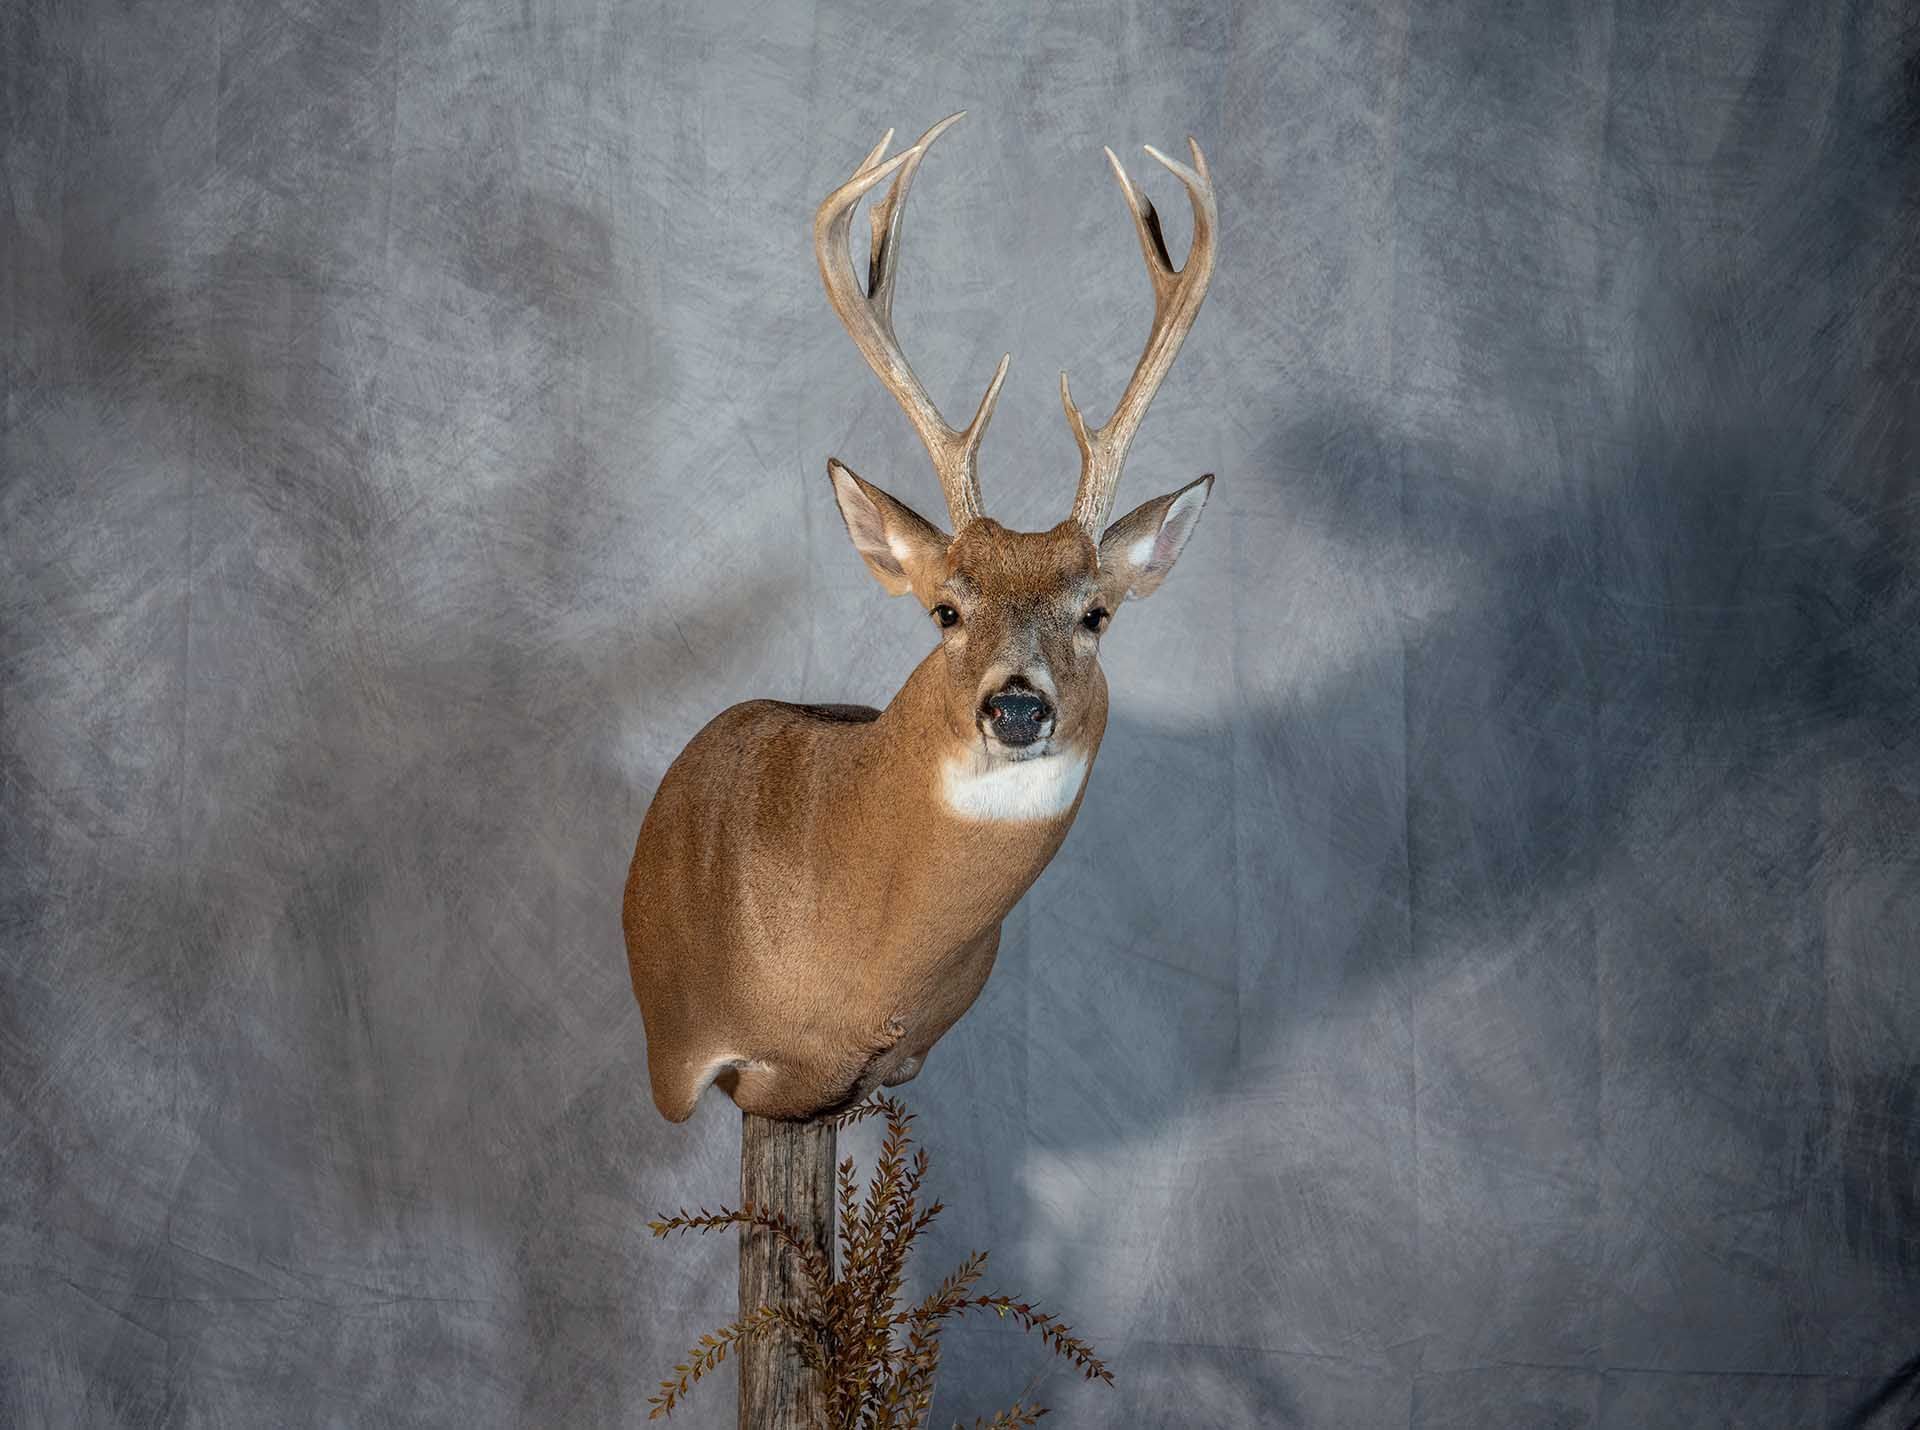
(990, 562)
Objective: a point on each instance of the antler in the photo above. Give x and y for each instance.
(1177, 295)
(868, 316)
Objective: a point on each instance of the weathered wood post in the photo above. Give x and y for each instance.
(785, 1167)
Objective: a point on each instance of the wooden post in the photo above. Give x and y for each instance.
(786, 1167)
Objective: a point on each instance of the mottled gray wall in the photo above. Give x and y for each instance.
(1483, 987)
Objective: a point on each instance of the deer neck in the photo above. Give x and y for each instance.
(970, 833)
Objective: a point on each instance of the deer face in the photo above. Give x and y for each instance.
(1019, 614)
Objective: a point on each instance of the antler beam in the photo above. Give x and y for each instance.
(868, 315)
(1177, 295)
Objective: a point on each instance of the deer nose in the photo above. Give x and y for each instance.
(1018, 716)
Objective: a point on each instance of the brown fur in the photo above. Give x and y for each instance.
(801, 897)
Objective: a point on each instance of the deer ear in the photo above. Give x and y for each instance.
(899, 545)
(1138, 551)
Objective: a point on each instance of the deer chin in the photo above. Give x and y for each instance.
(998, 751)
(1029, 782)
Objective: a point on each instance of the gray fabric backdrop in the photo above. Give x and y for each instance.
(1482, 986)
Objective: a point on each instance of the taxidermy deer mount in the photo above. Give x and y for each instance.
(817, 890)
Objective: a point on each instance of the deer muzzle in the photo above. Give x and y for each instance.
(1017, 716)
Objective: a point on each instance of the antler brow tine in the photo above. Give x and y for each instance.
(868, 315)
(1177, 295)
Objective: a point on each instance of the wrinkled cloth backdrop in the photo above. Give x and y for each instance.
(1482, 986)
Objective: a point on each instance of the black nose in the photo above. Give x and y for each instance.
(1018, 716)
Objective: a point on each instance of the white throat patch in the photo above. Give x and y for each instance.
(1041, 787)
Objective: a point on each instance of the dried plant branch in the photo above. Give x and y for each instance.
(876, 1359)
(872, 1107)
(1019, 1414)
(706, 1355)
(812, 1264)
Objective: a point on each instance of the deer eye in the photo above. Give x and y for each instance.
(946, 615)
(1095, 619)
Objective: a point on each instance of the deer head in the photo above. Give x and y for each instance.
(1020, 614)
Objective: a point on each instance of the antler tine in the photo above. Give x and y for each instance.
(868, 315)
(1177, 295)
